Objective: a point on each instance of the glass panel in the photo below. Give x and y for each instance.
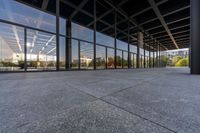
(110, 58)
(62, 52)
(141, 61)
(119, 59)
(133, 48)
(100, 57)
(75, 55)
(104, 40)
(133, 62)
(86, 55)
(41, 51)
(62, 26)
(125, 59)
(82, 33)
(11, 48)
(20, 13)
(122, 45)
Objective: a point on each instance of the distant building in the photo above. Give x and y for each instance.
(181, 52)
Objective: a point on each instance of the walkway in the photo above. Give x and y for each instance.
(105, 101)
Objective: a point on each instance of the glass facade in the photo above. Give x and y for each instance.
(12, 56)
(41, 51)
(28, 42)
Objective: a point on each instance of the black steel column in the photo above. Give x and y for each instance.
(79, 55)
(68, 44)
(138, 51)
(94, 34)
(57, 34)
(144, 47)
(25, 49)
(159, 55)
(153, 53)
(195, 36)
(129, 61)
(106, 58)
(115, 45)
(149, 52)
(156, 54)
(122, 59)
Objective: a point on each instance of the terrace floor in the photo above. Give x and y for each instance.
(161, 100)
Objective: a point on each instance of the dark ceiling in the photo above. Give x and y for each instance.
(167, 21)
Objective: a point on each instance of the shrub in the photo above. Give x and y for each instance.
(182, 62)
(175, 59)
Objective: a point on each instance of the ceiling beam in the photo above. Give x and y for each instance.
(107, 12)
(160, 17)
(178, 20)
(77, 9)
(175, 11)
(45, 4)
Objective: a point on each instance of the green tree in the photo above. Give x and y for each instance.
(182, 62)
(175, 59)
(164, 61)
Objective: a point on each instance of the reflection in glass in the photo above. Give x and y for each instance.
(75, 56)
(62, 52)
(141, 61)
(104, 39)
(119, 59)
(86, 55)
(62, 26)
(125, 59)
(110, 58)
(82, 33)
(41, 51)
(122, 45)
(100, 57)
(16, 12)
(133, 60)
(11, 48)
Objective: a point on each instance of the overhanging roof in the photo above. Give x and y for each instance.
(167, 21)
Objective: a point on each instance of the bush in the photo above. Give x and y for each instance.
(175, 60)
(164, 61)
(182, 62)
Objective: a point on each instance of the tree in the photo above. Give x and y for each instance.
(175, 59)
(182, 62)
(164, 61)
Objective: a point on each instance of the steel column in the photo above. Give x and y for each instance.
(25, 49)
(68, 44)
(129, 61)
(156, 54)
(153, 53)
(106, 58)
(195, 39)
(115, 41)
(144, 47)
(57, 33)
(149, 53)
(94, 6)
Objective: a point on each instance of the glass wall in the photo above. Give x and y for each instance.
(11, 48)
(125, 59)
(41, 51)
(110, 58)
(82, 33)
(62, 52)
(119, 59)
(86, 55)
(133, 50)
(31, 39)
(100, 57)
(75, 54)
(16, 12)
